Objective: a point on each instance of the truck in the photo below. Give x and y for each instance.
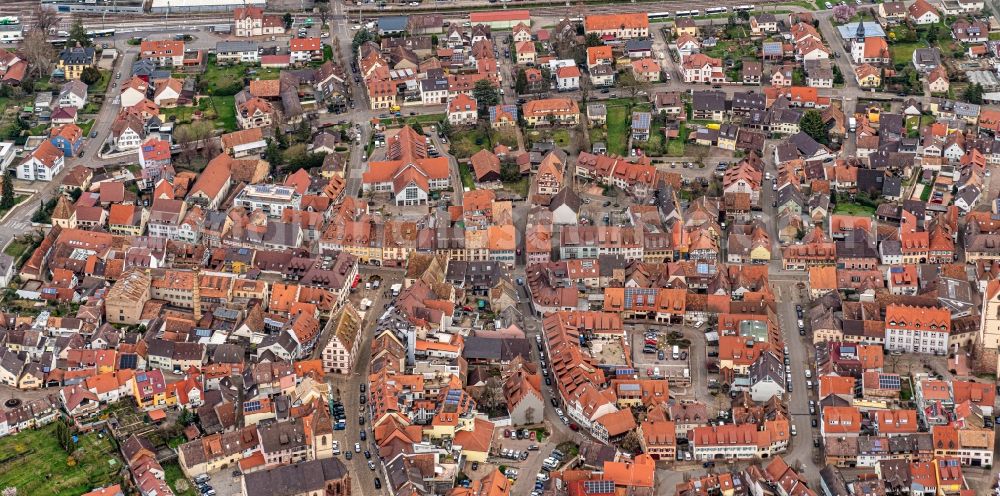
(852, 124)
(676, 354)
(396, 288)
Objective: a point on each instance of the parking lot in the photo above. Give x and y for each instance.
(653, 353)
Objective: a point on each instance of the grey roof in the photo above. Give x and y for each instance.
(767, 367)
(834, 483)
(236, 46)
(871, 29)
(290, 480)
(393, 23)
(77, 55)
(639, 45)
(496, 349)
(709, 100)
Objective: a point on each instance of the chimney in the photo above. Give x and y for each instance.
(196, 295)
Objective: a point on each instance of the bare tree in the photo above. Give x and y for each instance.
(45, 18)
(492, 397)
(631, 442)
(39, 52)
(585, 89)
(324, 13)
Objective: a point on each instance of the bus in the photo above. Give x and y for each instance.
(654, 16)
(58, 42)
(716, 10)
(743, 8)
(100, 33)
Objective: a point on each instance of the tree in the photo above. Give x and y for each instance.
(932, 34)
(743, 15)
(45, 18)
(843, 13)
(434, 40)
(444, 128)
(39, 53)
(593, 40)
(78, 35)
(584, 89)
(838, 76)
(521, 85)
(64, 437)
(492, 397)
(486, 96)
(287, 18)
(631, 442)
(273, 152)
(90, 75)
(813, 125)
(360, 38)
(324, 12)
(631, 84)
(6, 193)
(973, 94)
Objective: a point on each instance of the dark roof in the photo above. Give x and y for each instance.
(300, 478)
(709, 100)
(565, 196)
(496, 349)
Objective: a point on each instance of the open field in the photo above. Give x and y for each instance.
(34, 463)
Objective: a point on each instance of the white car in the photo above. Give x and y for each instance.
(356, 27)
(371, 465)
(828, 5)
(357, 447)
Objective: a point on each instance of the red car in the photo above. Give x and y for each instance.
(573, 426)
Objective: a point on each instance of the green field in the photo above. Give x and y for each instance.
(902, 53)
(34, 463)
(219, 109)
(173, 474)
(854, 209)
(465, 171)
(675, 147)
(619, 122)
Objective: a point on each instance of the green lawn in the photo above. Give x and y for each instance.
(914, 123)
(854, 209)
(902, 53)
(173, 474)
(654, 146)
(86, 126)
(228, 79)
(994, 36)
(561, 137)
(619, 122)
(466, 173)
(34, 463)
(17, 247)
(520, 187)
(101, 86)
(735, 50)
(226, 108)
(17, 201)
(675, 147)
(220, 109)
(465, 144)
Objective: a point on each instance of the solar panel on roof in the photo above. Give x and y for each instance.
(599, 486)
(888, 382)
(251, 406)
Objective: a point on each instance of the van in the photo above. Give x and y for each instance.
(676, 353)
(368, 285)
(809, 374)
